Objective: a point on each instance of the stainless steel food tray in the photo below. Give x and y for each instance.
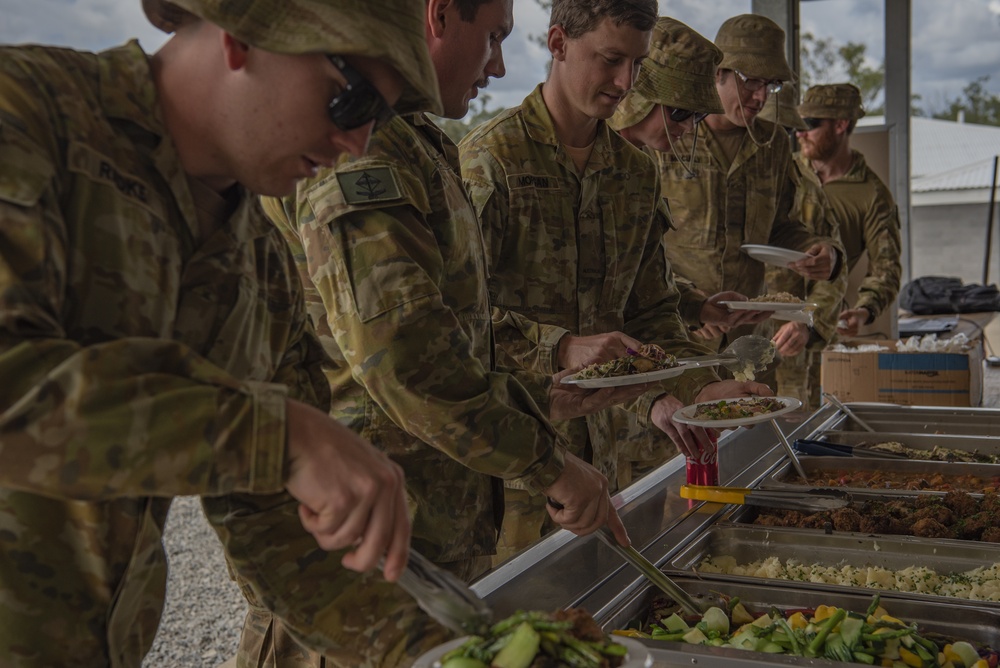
(989, 445)
(960, 620)
(747, 544)
(784, 476)
(890, 418)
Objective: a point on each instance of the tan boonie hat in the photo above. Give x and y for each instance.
(754, 45)
(780, 109)
(392, 31)
(841, 101)
(679, 72)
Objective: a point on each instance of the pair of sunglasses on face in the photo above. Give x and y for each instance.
(360, 102)
(813, 123)
(681, 115)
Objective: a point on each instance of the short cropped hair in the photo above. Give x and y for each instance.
(578, 17)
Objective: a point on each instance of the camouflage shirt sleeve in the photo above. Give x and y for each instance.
(882, 240)
(129, 416)
(378, 276)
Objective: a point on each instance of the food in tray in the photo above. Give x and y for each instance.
(937, 453)
(732, 409)
(979, 584)
(872, 637)
(889, 478)
(649, 357)
(954, 515)
(566, 638)
(778, 298)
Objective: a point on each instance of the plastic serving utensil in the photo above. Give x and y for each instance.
(444, 597)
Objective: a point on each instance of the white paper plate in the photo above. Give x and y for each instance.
(686, 414)
(638, 656)
(635, 378)
(767, 306)
(773, 254)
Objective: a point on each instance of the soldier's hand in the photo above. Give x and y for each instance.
(350, 493)
(820, 263)
(791, 338)
(850, 321)
(719, 315)
(709, 332)
(689, 440)
(579, 501)
(569, 401)
(579, 351)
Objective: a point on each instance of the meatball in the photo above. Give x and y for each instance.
(991, 535)
(878, 524)
(972, 527)
(961, 503)
(846, 519)
(815, 521)
(931, 528)
(769, 521)
(939, 513)
(990, 503)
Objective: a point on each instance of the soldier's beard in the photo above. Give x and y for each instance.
(821, 147)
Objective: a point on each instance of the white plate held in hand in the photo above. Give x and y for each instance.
(775, 255)
(767, 306)
(686, 414)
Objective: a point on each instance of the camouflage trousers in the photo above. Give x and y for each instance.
(308, 611)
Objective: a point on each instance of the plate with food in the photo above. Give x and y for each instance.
(647, 364)
(738, 412)
(775, 255)
(778, 301)
(571, 638)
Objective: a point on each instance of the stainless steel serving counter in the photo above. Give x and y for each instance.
(564, 570)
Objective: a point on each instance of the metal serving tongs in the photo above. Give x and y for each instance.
(847, 411)
(652, 573)
(444, 597)
(812, 500)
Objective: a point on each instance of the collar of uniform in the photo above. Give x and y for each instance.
(858, 171)
(127, 89)
(437, 137)
(541, 129)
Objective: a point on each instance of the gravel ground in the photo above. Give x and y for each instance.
(204, 612)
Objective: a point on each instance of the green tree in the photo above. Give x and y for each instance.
(978, 104)
(824, 61)
(479, 112)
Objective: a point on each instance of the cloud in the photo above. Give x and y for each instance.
(953, 42)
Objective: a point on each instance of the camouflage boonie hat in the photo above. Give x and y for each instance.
(391, 31)
(679, 72)
(841, 101)
(754, 45)
(780, 109)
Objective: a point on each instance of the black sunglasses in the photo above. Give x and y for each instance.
(681, 115)
(813, 123)
(359, 103)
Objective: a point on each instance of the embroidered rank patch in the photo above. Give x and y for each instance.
(367, 185)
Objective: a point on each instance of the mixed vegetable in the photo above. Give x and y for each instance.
(563, 639)
(729, 409)
(649, 357)
(828, 632)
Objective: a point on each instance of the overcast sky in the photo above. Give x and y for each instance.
(954, 41)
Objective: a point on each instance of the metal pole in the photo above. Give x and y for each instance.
(989, 222)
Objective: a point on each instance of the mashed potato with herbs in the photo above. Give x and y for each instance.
(980, 584)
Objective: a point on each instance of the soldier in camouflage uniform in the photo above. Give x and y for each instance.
(861, 204)
(573, 222)
(153, 335)
(390, 251)
(801, 342)
(735, 187)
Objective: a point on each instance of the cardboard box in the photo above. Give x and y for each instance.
(913, 379)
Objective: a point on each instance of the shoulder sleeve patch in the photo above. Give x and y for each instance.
(369, 185)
